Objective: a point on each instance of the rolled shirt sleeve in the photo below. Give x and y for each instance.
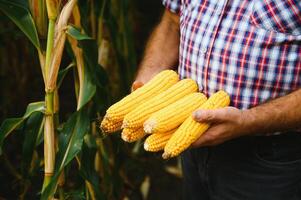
(172, 5)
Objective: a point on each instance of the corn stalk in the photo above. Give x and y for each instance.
(55, 46)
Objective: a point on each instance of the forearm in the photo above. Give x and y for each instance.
(162, 49)
(281, 114)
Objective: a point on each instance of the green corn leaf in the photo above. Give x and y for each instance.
(105, 157)
(21, 16)
(32, 128)
(63, 73)
(11, 124)
(78, 194)
(98, 74)
(90, 52)
(70, 144)
(89, 86)
(89, 90)
(76, 34)
(87, 170)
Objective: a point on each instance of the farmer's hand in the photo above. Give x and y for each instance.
(226, 123)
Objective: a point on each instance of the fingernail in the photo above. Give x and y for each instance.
(195, 115)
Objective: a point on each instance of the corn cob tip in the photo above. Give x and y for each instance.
(105, 130)
(124, 124)
(108, 126)
(125, 137)
(166, 155)
(149, 125)
(146, 147)
(102, 126)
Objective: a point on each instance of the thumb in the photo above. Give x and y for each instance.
(209, 116)
(136, 85)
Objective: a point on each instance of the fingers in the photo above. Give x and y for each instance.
(209, 138)
(210, 116)
(225, 124)
(204, 140)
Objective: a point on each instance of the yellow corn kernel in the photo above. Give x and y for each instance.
(173, 115)
(158, 84)
(157, 141)
(132, 135)
(137, 117)
(191, 130)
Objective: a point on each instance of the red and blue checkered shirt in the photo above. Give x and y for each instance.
(249, 48)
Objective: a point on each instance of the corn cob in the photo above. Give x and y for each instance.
(157, 141)
(136, 117)
(132, 135)
(191, 130)
(116, 112)
(173, 115)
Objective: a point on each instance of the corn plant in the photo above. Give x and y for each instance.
(81, 32)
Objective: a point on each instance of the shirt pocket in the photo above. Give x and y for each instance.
(283, 16)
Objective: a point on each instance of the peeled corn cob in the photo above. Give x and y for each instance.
(173, 115)
(191, 130)
(157, 141)
(116, 112)
(135, 118)
(132, 135)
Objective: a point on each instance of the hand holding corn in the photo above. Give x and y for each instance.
(190, 130)
(163, 107)
(228, 123)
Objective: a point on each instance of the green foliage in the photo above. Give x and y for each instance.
(20, 15)
(32, 128)
(11, 124)
(94, 166)
(70, 144)
(63, 73)
(89, 88)
(87, 168)
(76, 34)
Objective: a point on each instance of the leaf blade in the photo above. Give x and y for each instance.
(70, 144)
(11, 124)
(22, 18)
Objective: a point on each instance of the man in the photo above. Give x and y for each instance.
(252, 50)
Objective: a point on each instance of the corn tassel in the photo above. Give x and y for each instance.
(132, 135)
(158, 84)
(173, 115)
(137, 117)
(191, 130)
(157, 141)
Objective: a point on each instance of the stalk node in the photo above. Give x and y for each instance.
(49, 90)
(46, 114)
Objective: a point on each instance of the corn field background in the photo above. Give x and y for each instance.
(62, 63)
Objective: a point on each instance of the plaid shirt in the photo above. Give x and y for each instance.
(249, 48)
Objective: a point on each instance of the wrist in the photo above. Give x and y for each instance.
(249, 122)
